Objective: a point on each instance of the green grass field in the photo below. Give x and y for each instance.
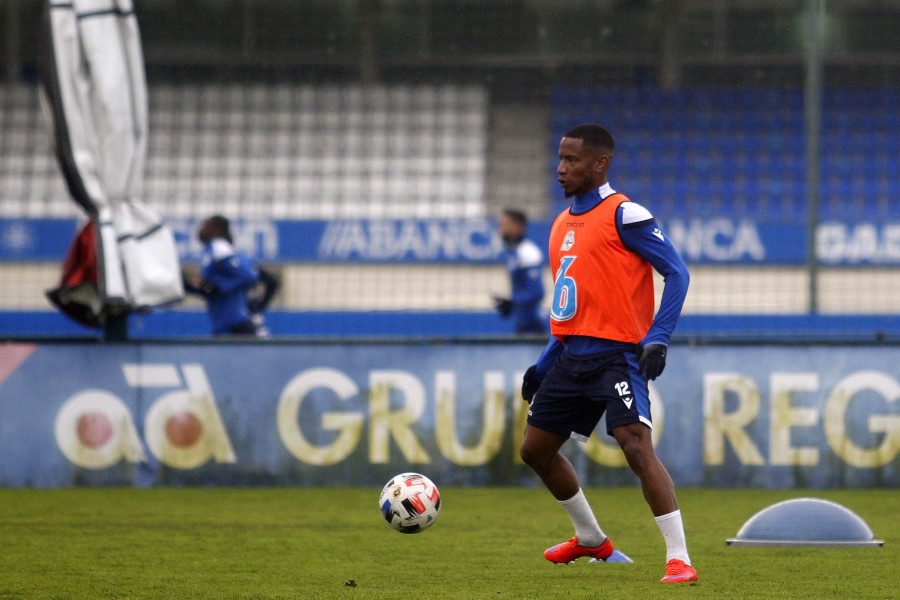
(332, 543)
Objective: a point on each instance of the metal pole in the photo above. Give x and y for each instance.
(368, 45)
(670, 59)
(812, 100)
(248, 29)
(13, 45)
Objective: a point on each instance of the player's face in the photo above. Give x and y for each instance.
(509, 228)
(579, 169)
(204, 232)
(207, 231)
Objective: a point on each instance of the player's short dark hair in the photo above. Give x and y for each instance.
(593, 135)
(516, 215)
(223, 225)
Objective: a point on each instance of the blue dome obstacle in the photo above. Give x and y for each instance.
(806, 522)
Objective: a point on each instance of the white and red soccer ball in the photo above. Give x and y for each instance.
(410, 502)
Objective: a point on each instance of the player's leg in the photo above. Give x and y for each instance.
(559, 411)
(562, 409)
(629, 421)
(636, 442)
(541, 451)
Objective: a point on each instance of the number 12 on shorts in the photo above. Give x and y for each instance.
(624, 391)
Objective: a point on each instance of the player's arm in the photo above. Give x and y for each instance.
(229, 276)
(531, 289)
(270, 285)
(527, 286)
(192, 283)
(228, 271)
(640, 234)
(536, 372)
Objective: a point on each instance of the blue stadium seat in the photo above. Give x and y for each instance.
(742, 151)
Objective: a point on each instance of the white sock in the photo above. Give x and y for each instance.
(586, 528)
(672, 529)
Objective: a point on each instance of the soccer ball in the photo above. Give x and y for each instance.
(410, 502)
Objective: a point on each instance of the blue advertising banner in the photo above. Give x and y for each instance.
(36, 239)
(708, 240)
(376, 241)
(146, 414)
(727, 240)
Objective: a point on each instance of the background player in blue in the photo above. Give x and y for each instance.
(606, 346)
(225, 278)
(524, 261)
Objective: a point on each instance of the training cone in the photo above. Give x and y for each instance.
(805, 522)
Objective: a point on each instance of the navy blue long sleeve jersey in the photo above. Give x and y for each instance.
(228, 274)
(525, 262)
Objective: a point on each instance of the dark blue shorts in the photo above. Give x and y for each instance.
(579, 389)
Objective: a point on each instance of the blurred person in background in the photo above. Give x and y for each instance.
(236, 289)
(524, 261)
(259, 297)
(606, 345)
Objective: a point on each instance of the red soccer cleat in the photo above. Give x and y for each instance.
(569, 551)
(678, 571)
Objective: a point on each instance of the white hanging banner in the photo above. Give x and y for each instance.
(96, 96)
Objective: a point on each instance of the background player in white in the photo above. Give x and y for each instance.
(525, 263)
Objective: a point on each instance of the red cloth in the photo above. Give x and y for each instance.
(77, 295)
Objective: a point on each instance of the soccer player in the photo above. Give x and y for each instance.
(524, 261)
(605, 346)
(225, 278)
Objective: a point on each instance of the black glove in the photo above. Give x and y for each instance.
(651, 360)
(503, 306)
(208, 289)
(530, 383)
(255, 306)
